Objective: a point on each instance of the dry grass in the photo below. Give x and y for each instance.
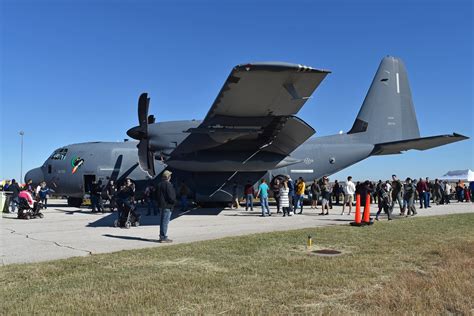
(413, 266)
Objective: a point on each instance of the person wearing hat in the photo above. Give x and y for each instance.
(166, 199)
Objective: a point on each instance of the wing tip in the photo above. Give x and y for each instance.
(457, 135)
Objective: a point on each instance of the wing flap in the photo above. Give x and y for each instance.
(417, 143)
(294, 133)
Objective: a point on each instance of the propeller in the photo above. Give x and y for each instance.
(146, 156)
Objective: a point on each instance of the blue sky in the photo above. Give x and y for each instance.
(71, 71)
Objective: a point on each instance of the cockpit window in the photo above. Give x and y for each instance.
(59, 154)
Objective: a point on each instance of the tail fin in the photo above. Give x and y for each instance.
(387, 113)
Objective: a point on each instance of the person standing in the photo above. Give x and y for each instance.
(111, 192)
(467, 193)
(96, 197)
(6, 185)
(300, 188)
(397, 194)
(383, 201)
(284, 200)
(409, 196)
(44, 194)
(150, 199)
(315, 193)
(429, 189)
(183, 196)
(336, 191)
(276, 193)
(447, 192)
(437, 192)
(291, 194)
(14, 188)
(421, 188)
(249, 192)
(325, 195)
(349, 190)
(262, 193)
(166, 198)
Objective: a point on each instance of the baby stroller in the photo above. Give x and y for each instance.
(25, 211)
(127, 215)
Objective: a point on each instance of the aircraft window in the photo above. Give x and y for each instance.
(59, 154)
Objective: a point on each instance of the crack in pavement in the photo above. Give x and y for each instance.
(12, 231)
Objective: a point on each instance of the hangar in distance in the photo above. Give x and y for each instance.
(250, 132)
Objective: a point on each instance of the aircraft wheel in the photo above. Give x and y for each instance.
(40, 215)
(136, 223)
(128, 224)
(27, 216)
(116, 223)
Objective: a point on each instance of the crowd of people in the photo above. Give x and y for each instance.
(36, 196)
(289, 195)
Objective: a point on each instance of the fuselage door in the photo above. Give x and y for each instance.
(88, 180)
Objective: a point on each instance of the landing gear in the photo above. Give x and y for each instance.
(74, 202)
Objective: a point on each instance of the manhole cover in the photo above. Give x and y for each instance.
(327, 252)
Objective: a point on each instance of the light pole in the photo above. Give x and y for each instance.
(21, 158)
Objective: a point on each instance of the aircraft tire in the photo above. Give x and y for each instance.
(74, 202)
(127, 224)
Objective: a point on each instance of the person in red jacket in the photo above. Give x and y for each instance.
(467, 194)
(422, 188)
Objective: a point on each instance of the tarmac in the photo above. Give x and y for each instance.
(66, 232)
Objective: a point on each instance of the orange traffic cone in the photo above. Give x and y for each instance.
(367, 210)
(357, 213)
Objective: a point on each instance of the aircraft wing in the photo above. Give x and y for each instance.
(416, 143)
(254, 110)
(265, 89)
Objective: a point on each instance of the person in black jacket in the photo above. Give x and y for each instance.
(15, 189)
(166, 199)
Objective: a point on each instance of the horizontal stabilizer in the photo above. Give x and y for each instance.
(417, 143)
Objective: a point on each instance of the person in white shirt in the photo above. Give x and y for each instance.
(349, 190)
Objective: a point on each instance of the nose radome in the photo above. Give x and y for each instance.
(35, 174)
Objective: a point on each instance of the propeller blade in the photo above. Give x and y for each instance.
(143, 104)
(146, 158)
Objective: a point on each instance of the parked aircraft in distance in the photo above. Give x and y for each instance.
(250, 132)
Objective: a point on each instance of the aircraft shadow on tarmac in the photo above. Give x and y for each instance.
(152, 220)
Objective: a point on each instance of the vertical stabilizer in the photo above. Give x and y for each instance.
(387, 113)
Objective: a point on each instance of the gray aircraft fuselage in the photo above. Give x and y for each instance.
(117, 160)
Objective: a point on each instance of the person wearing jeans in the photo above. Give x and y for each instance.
(263, 194)
(165, 216)
(249, 194)
(166, 198)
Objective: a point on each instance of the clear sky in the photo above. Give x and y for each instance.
(72, 71)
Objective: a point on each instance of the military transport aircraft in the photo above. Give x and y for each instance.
(250, 132)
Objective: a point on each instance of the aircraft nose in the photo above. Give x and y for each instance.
(35, 174)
